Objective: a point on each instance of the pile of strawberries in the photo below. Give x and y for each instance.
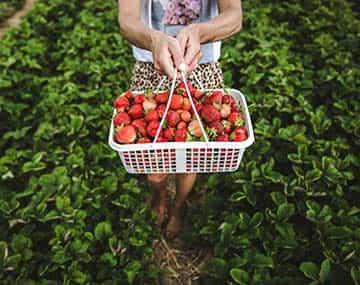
(138, 117)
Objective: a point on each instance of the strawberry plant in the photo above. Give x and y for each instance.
(9, 7)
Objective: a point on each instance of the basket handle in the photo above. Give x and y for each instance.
(172, 89)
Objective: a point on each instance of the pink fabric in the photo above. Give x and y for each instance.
(182, 12)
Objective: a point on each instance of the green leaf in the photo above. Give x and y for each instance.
(103, 231)
(263, 261)
(324, 270)
(285, 211)
(355, 275)
(310, 270)
(240, 276)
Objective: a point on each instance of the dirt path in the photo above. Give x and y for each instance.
(15, 20)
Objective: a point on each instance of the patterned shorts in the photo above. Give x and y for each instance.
(146, 77)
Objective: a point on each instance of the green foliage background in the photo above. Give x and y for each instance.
(8, 7)
(69, 214)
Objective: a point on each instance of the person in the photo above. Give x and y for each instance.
(164, 35)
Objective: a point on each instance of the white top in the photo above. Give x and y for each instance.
(170, 16)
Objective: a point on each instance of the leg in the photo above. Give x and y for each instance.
(158, 184)
(184, 184)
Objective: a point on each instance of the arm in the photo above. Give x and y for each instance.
(166, 50)
(226, 24)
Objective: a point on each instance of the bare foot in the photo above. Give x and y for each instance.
(174, 225)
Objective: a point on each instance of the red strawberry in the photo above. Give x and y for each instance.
(172, 118)
(185, 116)
(162, 139)
(217, 126)
(227, 99)
(227, 126)
(181, 89)
(152, 128)
(186, 104)
(152, 115)
(161, 97)
(149, 104)
(139, 99)
(143, 140)
(128, 95)
(140, 126)
(210, 114)
(180, 135)
(194, 128)
(181, 125)
(198, 107)
(126, 135)
(240, 131)
(222, 138)
(216, 97)
(236, 119)
(161, 110)
(122, 118)
(169, 133)
(136, 111)
(176, 102)
(235, 108)
(197, 94)
(121, 103)
(225, 110)
(239, 134)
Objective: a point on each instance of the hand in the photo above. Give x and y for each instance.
(189, 40)
(167, 54)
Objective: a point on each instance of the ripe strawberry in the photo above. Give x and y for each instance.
(227, 126)
(162, 139)
(185, 116)
(176, 101)
(236, 119)
(172, 118)
(186, 104)
(217, 126)
(126, 135)
(239, 134)
(149, 104)
(169, 133)
(161, 110)
(121, 103)
(128, 95)
(216, 97)
(210, 114)
(197, 94)
(194, 128)
(122, 118)
(198, 107)
(227, 99)
(143, 140)
(152, 128)
(152, 115)
(240, 131)
(180, 135)
(222, 138)
(161, 97)
(181, 125)
(140, 126)
(139, 99)
(181, 89)
(225, 110)
(136, 111)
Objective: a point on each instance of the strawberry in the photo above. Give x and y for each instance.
(152, 115)
(152, 128)
(169, 133)
(128, 95)
(149, 104)
(136, 111)
(194, 128)
(122, 118)
(121, 103)
(210, 114)
(239, 134)
(198, 107)
(211, 133)
(225, 110)
(227, 126)
(161, 110)
(216, 97)
(222, 138)
(181, 89)
(186, 104)
(143, 140)
(140, 126)
(185, 116)
(180, 135)
(161, 97)
(240, 130)
(176, 101)
(235, 107)
(227, 99)
(126, 135)
(172, 118)
(139, 99)
(236, 119)
(181, 125)
(197, 94)
(217, 126)
(162, 139)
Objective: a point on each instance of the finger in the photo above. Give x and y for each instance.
(176, 53)
(195, 61)
(167, 66)
(192, 50)
(182, 39)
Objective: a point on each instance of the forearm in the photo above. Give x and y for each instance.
(220, 27)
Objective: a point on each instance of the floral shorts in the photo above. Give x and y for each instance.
(146, 77)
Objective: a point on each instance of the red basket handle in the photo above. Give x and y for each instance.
(172, 89)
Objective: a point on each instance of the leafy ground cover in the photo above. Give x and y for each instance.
(7, 8)
(70, 213)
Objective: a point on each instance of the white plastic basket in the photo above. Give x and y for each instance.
(185, 157)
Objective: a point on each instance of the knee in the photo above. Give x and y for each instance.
(156, 178)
